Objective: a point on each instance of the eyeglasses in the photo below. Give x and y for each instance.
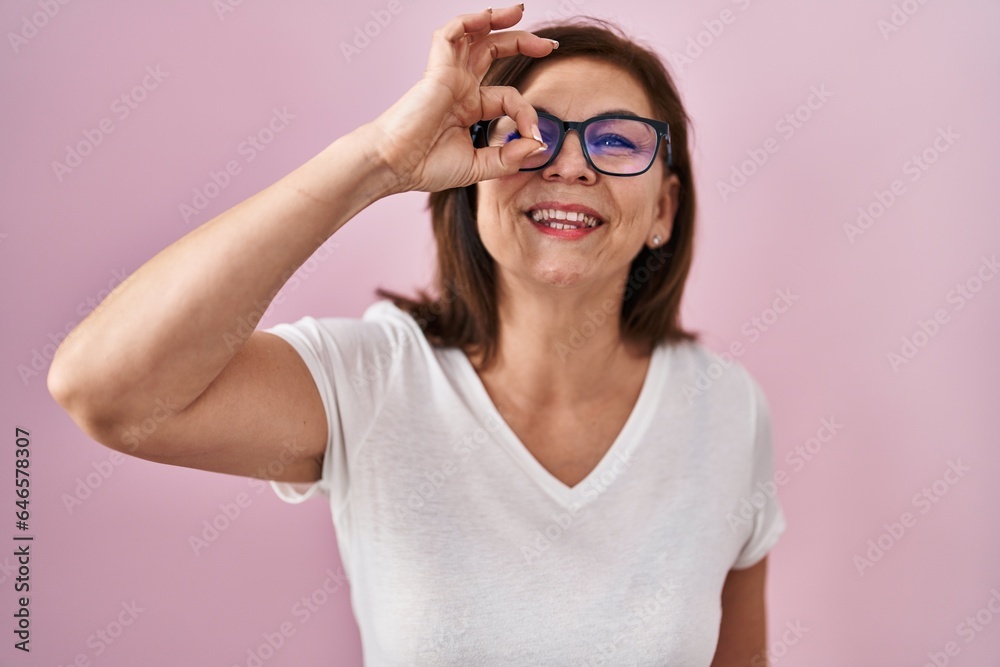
(613, 144)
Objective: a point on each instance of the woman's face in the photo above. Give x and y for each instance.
(633, 208)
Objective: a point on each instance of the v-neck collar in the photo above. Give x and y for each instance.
(636, 425)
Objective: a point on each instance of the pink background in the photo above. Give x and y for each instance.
(62, 242)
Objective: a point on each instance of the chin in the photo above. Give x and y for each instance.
(561, 276)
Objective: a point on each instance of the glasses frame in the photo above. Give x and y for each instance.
(480, 131)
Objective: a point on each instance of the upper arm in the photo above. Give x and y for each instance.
(261, 417)
(743, 631)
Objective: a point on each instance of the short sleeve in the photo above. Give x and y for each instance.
(769, 519)
(351, 361)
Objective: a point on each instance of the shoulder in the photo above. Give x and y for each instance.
(378, 343)
(706, 377)
(397, 327)
(382, 326)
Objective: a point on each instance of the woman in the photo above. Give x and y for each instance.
(536, 466)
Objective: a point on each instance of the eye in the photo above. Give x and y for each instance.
(612, 141)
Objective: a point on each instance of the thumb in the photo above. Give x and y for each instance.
(507, 159)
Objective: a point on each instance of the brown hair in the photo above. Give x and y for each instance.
(464, 312)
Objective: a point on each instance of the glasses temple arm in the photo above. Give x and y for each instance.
(670, 150)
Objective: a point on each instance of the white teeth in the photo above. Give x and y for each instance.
(548, 215)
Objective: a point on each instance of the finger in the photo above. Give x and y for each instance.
(463, 24)
(504, 44)
(502, 18)
(496, 161)
(507, 101)
(454, 33)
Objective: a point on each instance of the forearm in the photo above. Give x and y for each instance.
(167, 331)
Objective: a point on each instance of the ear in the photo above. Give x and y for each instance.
(666, 205)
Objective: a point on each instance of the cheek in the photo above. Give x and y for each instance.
(488, 201)
(497, 195)
(630, 204)
(490, 217)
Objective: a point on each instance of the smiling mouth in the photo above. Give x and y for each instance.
(558, 219)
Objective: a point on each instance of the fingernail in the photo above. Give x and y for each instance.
(536, 134)
(522, 6)
(489, 9)
(555, 44)
(543, 147)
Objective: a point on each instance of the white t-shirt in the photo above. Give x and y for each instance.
(462, 549)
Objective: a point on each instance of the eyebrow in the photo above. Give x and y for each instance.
(623, 112)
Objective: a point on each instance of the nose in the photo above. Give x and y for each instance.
(570, 164)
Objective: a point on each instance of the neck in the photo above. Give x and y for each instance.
(562, 352)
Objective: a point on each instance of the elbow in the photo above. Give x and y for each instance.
(67, 390)
(57, 382)
(107, 413)
(68, 395)
(62, 383)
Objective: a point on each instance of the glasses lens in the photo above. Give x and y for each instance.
(621, 145)
(503, 130)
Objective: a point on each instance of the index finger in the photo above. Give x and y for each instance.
(504, 44)
(503, 17)
(452, 34)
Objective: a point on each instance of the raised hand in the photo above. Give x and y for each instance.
(424, 137)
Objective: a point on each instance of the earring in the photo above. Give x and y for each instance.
(656, 240)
